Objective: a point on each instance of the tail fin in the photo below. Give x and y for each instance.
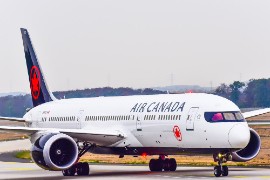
(39, 91)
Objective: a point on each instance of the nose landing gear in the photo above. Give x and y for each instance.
(220, 169)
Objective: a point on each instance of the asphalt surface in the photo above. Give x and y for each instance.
(16, 145)
(12, 168)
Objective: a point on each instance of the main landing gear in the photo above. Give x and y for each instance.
(220, 169)
(82, 169)
(162, 163)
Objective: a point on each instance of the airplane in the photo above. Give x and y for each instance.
(62, 131)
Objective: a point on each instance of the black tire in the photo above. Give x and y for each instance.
(166, 164)
(225, 171)
(86, 169)
(158, 165)
(83, 169)
(152, 165)
(69, 172)
(217, 171)
(79, 169)
(173, 164)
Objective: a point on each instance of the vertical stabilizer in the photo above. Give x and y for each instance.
(39, 90)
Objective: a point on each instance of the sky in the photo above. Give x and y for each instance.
(141, 43)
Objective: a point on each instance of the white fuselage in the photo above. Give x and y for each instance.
(150, 121)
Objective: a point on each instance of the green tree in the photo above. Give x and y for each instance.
(257, 93)
(223, 90)
(235, 91)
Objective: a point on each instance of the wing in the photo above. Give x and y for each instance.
(12, 119)
(259, 123)
(257, 113)
(93, 136)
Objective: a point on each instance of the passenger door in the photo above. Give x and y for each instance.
(192, 115)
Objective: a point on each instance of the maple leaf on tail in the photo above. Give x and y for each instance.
(35, 82)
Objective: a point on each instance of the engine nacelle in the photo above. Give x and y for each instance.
(54, 151)
(251, 150)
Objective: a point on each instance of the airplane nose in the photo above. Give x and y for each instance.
(239, 136)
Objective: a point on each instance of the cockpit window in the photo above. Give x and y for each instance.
(229, 116)
(238, 116)
(217, 117)
(224, 117)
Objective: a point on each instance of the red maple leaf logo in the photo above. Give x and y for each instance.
(177, 133)
(35, 82)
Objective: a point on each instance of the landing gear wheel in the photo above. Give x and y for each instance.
(155, 165)
(217, 171)
(173, 164)
(225, 171)
(86, 168)
(69, 172)
(152, 165)
(159, 165)
(166, 164)
(83, 169)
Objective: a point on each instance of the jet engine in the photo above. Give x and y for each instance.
(251, 150)
(54, 151)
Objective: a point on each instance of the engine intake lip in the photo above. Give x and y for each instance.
(251, 150)
(60, 152)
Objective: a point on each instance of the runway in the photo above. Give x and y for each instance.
(14, 170)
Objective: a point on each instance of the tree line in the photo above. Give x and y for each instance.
(254, 93)
(15, 106)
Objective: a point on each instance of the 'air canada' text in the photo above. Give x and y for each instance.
(158, 107)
